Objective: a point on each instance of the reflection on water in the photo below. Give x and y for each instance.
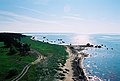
(80, 39)
(67, 38)
(105, 62)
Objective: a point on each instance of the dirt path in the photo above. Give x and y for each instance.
(26, 68)
(68, 65)
(24, 71)
(39, 56)
(75, 65)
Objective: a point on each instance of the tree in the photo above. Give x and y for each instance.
(12, 50)
(24, 49)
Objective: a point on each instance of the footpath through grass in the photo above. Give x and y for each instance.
(9, 63)
(47, 69)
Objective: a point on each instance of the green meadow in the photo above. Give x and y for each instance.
(46, 70)
(12, 62)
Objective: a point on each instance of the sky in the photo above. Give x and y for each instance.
(70, 16)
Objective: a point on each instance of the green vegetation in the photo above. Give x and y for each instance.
(31, 75)
(1, 44)
(55, 54)
(14, 57)
(13, 50)
(8, 62)
(11, 60)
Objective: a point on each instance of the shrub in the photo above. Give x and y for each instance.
(12, 50)
(11, 73)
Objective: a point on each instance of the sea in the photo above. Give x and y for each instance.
(103, 63)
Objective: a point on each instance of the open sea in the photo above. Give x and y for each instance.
(104, 62)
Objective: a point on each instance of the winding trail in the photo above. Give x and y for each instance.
(24, 71)
(26, 68)
(39, 56)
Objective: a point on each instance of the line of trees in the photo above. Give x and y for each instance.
(13, 41)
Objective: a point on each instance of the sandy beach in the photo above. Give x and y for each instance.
(68, 65)
(74, 64)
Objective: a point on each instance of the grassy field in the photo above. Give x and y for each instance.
(44, 71)
(55, 55)
(10, 62)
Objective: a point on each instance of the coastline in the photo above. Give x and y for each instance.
(78, 72)
(75, 52)
(68, 57)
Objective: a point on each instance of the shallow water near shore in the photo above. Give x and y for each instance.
(105, 61)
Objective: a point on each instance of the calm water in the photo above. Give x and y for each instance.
(68, 38)
(103, 63)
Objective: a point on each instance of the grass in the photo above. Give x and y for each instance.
(1, 44)
(44, 71)
(30, 75)
(55, 54)
(8, 62)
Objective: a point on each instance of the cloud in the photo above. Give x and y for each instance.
(27, 23)
(24, 19)
(67, 8)
(72, 18)
(36, 11)
(73, 23)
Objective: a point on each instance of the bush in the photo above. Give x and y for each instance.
(11, 73)
(12, 50)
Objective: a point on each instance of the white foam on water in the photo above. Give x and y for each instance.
(94, 78)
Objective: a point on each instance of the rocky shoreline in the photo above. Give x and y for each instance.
(79, 73)
(76, 57)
